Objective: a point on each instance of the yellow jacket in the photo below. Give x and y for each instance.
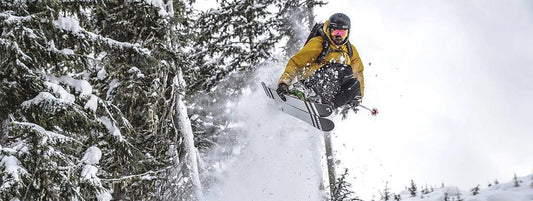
(303, 64)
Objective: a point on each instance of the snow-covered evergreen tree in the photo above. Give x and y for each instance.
(236, 36)
(343, 191)
(297, 18)
(79, 74)
(412, 189)
(150, 90)
(516, 182)
(475, 190)
(386, 194)
(50, 107)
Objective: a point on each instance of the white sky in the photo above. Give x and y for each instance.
(453, 81)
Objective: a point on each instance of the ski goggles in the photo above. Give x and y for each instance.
(340, 32)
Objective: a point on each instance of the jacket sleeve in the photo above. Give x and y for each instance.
(304, 58)
(357, 67)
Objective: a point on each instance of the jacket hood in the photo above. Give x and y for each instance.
(325, 30)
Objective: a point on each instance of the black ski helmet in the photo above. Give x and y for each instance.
(339, 21)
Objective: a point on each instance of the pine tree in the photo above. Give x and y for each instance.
(397, 197)
(50, 106)
(475, 190)
(386, 195)
(296, 19)
(516, 182)
(234, 37)
(161, 119)
(229, 43)
(412, 189)
(77, 74)
(342, 190)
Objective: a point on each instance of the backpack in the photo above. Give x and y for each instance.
(318, 31)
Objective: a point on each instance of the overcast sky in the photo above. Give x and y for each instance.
(453, 81)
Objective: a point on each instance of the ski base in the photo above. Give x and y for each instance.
(318, 109)
(306, 111)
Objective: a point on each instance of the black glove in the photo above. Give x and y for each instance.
(282, 90)
(355, 102)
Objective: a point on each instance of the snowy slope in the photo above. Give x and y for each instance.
(280, 159)
(495, 192)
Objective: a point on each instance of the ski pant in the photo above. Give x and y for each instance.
(335, 84)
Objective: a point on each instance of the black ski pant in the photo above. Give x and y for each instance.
(335, 84)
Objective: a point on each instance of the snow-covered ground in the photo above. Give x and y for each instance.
(496, 192)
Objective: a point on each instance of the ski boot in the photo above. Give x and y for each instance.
(299, 94)
(350, 106)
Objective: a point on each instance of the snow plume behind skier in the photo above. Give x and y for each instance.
(274, 160)
(328, 65)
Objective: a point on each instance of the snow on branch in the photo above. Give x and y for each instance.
(65, 52)
(112, 128)
(17, 148)
(60, 95)
(44, 97)
(46, 135)
(13, 19)
(92, 155)
(88, 173)
(73, 26)
(143, 176)
(12, 171)
(81, 86)
(164, 9)
(64, 95)
(92, 103)
(14, 47)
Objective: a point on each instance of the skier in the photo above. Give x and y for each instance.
(328, 64)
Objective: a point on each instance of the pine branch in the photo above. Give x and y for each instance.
(129, 177)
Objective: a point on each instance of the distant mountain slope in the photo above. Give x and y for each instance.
(495, 192)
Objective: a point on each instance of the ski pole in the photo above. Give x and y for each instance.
(373, 111)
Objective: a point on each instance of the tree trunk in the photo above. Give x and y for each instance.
(331, 161)
(190, 157)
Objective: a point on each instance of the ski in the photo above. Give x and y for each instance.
(321, 123)
(308, 114)
(317, 109)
